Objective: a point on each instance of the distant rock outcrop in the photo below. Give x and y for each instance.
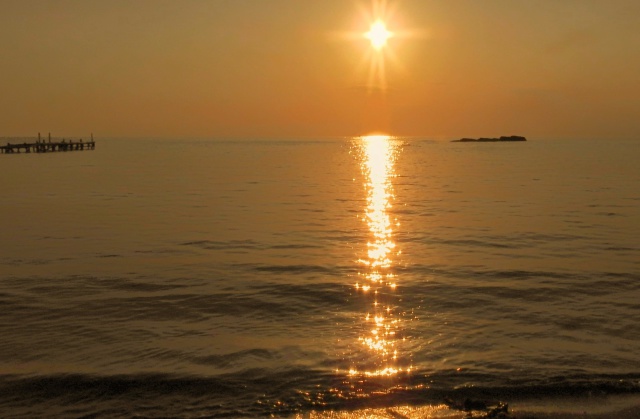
(490, 140)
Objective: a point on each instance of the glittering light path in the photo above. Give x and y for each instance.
(377, 284)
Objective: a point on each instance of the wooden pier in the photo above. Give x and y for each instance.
(42, 146)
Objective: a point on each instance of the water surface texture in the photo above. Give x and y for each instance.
(250, 278)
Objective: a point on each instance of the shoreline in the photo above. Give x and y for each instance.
(597, 407)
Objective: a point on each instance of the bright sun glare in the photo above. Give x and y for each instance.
(378, 35)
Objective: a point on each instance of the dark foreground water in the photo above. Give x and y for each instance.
(338, 278)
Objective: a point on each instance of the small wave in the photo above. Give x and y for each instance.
(223, 245)
(621, 249)
(294, 269)
(237, 358)
(295, 246)
(247, 245)
(25, 262)
(298, 269)
(263, 392)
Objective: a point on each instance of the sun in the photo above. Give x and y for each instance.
(378, 35)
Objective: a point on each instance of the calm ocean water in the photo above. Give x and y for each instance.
(251, 278)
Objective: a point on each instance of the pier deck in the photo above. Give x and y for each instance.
(47, 146)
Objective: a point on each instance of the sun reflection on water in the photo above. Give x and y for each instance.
(381, 329)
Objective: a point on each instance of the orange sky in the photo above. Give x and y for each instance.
(287, 68)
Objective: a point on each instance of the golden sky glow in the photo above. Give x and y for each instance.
(544, 69)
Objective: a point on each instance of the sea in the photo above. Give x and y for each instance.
(378, 277)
